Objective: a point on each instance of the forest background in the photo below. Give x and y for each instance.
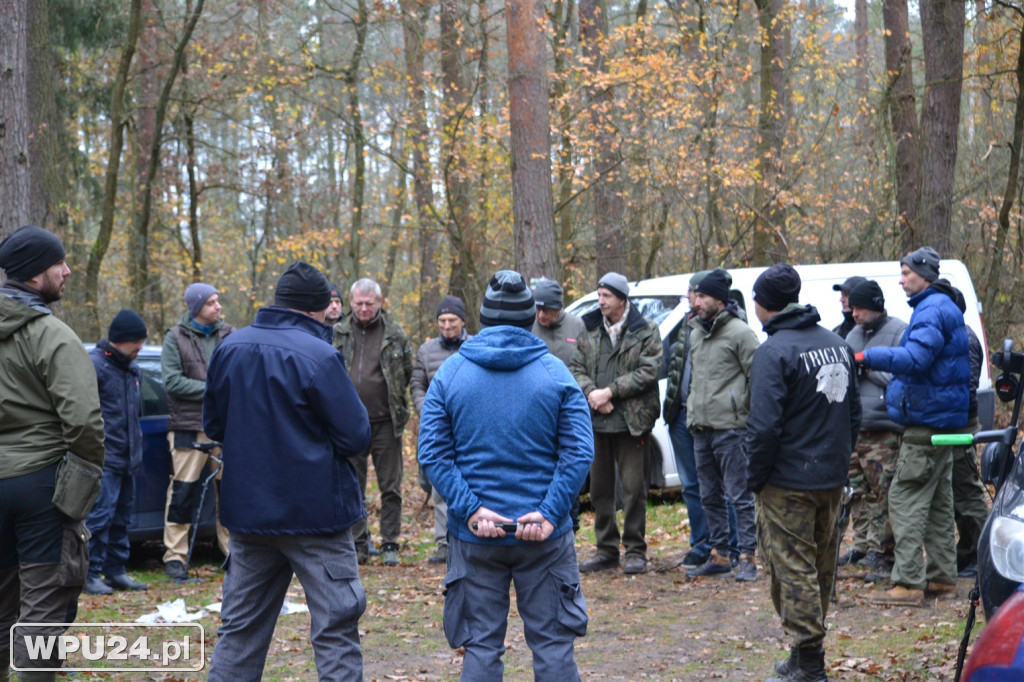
(427, 143)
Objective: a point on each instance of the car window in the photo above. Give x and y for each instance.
(154, 401)
(653, 308)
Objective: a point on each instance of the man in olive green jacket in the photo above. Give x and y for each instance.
(49, 404)
(722, 349)
(617, 363)
(378, 356)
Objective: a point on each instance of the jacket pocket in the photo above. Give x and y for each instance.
(351, 601)
(74, 554)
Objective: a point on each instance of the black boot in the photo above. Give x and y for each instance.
(783, 668)
(803, 665)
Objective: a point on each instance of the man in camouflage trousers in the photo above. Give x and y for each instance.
(798, 443)
(878, 445)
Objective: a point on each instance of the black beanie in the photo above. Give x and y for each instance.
(777, 287)
(302, 287)
(29, 251)
(126, 326)
(451, 305)
(716, 284)
(335, 292)
(868, 295)
(507, 301)
(924, 261)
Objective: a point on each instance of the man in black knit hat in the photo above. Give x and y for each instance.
(722, 348)
(798, 443)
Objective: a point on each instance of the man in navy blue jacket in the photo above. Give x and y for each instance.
(279, 398)
(505, 437)
(929, 393)
(119, 380)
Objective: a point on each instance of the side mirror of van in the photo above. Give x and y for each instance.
(996, 461)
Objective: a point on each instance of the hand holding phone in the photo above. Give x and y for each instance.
(507, 527)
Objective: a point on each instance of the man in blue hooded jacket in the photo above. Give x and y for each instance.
(279, 398)
(505, 437)
(929, 393)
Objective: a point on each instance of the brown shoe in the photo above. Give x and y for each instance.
(899, 596)
(935, 590)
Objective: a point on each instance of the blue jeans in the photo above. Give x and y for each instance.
(260, 568)
(108, 522)
(682, 447)
(722, 474)
(548, 596)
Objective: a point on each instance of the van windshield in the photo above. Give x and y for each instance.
(653, 308)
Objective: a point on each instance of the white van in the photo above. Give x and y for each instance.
(663, 300)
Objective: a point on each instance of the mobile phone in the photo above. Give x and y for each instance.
(507, 527)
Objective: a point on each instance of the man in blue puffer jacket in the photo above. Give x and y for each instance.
(278, 396)
(505, 437)
(929, 393)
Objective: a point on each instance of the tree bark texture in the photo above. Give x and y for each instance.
(414, 26)
(117, 121)
(902, 117)
(15, 124)
(942, 33)
(532, 199)
(609, 205)
(769, 244)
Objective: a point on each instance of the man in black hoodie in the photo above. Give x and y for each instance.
(798, 443)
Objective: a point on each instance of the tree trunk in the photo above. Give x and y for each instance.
(456, 112)
(992, 283)
(530, 126)
(902, 116)
(860, 41)
(770, 222)
(561, 22)
(140, 279)
(15, 178)
(608, 202)
(358, 137)
(102, 242)
(942, 33)
(415, 15)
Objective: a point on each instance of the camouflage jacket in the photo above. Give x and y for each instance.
(395, 363)
(638, 364)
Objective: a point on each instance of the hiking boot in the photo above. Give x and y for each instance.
(803, 665)
(783, 668)
(634, 564)
(123, 582)
(599, 562)
(440, 555)
(694, 558)
(389, 554)
(899, 596)
(362, 558)
(880, 573)
(969, 571)
(175, 570)
(851, 557)
(872, 559)
(715, 565)
(93, 585)
(936, 590)
(746, 569)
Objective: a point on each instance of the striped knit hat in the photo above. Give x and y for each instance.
(507, 301)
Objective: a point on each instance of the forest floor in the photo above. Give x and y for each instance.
(656, 626)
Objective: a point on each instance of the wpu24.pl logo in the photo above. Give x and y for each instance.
(108, 647)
